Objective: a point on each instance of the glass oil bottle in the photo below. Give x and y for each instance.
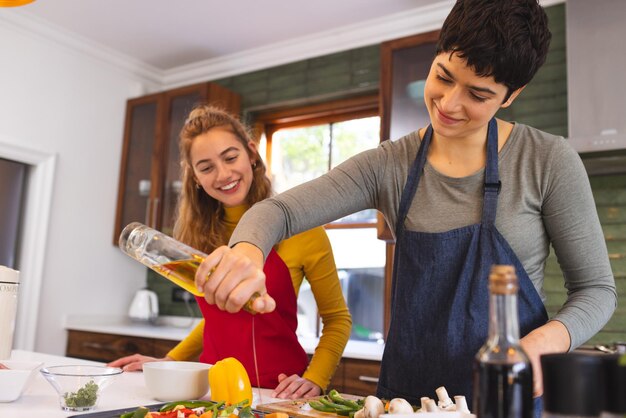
(170, 258)
(503, 377)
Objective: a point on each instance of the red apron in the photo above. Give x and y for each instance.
(277, 346)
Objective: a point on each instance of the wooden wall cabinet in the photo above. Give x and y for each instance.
(108, 347)
(149, 180)
(404, 65)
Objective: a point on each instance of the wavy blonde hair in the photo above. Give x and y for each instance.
(200, 218)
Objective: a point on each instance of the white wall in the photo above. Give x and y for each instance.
(57, 100)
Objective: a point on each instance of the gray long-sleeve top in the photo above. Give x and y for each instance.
(545, 199)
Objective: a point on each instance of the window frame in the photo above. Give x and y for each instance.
(318, 114)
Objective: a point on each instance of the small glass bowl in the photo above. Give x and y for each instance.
(79, 387)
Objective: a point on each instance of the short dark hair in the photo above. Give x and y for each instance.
(506, 39)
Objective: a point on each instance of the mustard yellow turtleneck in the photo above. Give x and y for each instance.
(309, 255)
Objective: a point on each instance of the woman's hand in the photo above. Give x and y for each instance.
(295, 387)
(229, 277)
(552, 337)
(135, 362)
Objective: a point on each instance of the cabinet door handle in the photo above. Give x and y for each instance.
(131, 347)
(99, 346)
(368, 379)
(148, 206)
(155, 207)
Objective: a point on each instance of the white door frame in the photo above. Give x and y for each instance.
(33, 238)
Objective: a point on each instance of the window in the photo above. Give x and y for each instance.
(301, 154)
(303, 144)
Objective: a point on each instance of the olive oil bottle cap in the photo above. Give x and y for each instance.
(503, 280)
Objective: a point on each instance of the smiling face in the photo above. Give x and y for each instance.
(222, 165)
(459, 102)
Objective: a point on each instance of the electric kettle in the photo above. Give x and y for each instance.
(144, 307)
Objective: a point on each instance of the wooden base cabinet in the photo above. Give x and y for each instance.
(356, 377)
(108, 347)
(353, 376)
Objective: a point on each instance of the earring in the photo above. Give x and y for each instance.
(198, 186)
(254, 165)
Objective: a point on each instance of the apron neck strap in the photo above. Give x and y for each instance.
(492, 178)
(413, 180)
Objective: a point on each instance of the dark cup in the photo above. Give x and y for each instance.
(573, 384)
(615, 373)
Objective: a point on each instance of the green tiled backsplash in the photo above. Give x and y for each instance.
(332, 76)
(610, 196)
(543, 104)
(164, 290)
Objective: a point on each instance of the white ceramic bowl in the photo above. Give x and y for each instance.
(80, 386)
(176, 380)
(16, 379)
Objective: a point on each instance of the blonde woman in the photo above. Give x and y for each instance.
(223, 176)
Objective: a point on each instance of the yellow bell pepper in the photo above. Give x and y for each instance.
(229, 382)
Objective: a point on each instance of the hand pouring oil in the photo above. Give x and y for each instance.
(503, 377)
(170, 258)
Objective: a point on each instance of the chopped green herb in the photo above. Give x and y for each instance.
(83, 397)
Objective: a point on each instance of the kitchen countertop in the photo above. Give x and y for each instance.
(176, 328)
(173, 328)
(40, 400)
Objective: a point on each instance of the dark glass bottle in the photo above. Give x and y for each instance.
(503, 377)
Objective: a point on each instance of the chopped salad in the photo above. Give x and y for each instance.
(195, 409)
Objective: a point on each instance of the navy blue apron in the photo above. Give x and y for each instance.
(440, 297)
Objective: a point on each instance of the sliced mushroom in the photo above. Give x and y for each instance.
(423, 401)
(461, 404)
(431, 406)
(445, 402)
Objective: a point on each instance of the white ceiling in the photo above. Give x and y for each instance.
(179, 42)
(167, 33)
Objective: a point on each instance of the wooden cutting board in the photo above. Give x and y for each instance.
(298, 408)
